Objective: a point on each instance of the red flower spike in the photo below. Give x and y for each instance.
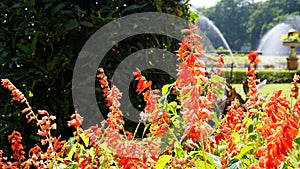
(76, 120)
(253, 57)
(17, 148)
(279, 130)
(112, 96)
(295, 87)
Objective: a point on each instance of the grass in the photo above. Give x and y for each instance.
(268, 89)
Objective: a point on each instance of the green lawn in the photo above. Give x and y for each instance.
(268, 89)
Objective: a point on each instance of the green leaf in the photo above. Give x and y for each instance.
(71, 152)
(17, 5)
(297, 140)
(214, 159)
(30, 2)
(78, 9)
(86, 24)
(35, 39)
(251, 128)
(23, 48)
(72, 24)
(204, 165)
(172, 106)
(244, 150)
(178, 150)
(216, 114)
(236, 137)
(217, 79)
(158, 5)
(166, 89)
(219, 91)
(30, 94)
(59, 7)
(234, 164)
(85, 139)
(162, 161)
(131, 8)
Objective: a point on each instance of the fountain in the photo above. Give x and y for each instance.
(213, 38)
(271, 46)
(212, 32)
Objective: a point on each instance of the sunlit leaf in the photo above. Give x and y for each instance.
(162, 161)
(85, 139)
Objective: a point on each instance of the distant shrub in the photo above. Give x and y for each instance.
(271, 75)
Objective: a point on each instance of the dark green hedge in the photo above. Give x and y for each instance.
(39, 44)
(271, 75)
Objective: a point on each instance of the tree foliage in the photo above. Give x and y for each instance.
(40, 41)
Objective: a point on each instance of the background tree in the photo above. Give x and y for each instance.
(231, 17)
(39, 44)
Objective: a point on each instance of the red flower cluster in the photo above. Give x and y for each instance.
(160, 120)
(131, 154)
(192, 68)
(253, 57)
(196, 108)
(17, 148)
(46, 124)
(182, 163)
(19, 96)
(231, 123)
(16, 93)
(295, 87)
(279, 130)
(254, 99)
(112, 97)
(76, 120)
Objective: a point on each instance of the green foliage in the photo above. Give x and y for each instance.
(40, 41)
(271, 75)
(231, 18)
(162, 161)
(294, 37)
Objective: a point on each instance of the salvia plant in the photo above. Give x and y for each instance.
(188, 132)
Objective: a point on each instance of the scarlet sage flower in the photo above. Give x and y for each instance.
(132, 163)
(279, 130)
(185, 75)
(253, 57)
(143, 84)
(159, 119)
(16, 146)
(112, 96)
(278, 107)
(254, 98)
(295, 87)
(195, 105)
(296, 108)
(232, 122)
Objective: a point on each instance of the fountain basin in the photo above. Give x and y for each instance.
(291, 44)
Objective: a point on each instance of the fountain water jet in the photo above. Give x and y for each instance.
(213, 36)
(270, 44)
(209, 29)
